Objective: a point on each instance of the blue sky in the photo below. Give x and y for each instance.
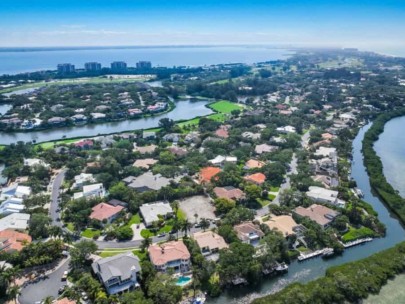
(365, 24)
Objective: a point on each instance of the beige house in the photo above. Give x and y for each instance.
(283, 223)
(209, 242)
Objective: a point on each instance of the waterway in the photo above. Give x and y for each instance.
(184, 110)
(391, 149)
(312, 269)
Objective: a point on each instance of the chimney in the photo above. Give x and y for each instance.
(163, 250)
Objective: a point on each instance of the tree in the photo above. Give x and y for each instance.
(166, 124)
(185, 226)
(204, 224)
(39, 225)
(162, 289)
(124, 233)
(253, 192)
(47, 300)
(81, 252)
(13, 292)
(146, 242)
(224, 205)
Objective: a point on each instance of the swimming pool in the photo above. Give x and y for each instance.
(181, 281)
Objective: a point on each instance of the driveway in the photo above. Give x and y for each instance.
(49, 287)
(137, 231)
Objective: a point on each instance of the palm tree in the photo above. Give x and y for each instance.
(186, 226)
(196, 217)
(175, 206)
(204, 223)
(145, 243)
(13, 292)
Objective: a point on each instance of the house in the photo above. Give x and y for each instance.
(11, 240)
(256, 178)
(56, 120)
(192, 137)
(78, 118)
(222, 132)
(118, 273)
(172, 137)
(150, 182)
(322, 195)
(286, 129)
(12, 205)
(91, 191)
(145, 163)
(209, 242)
(82, 179)
(265, 148)
(151, 212)
(96, 116)
(326, 152)
(32, 162)
(283, 223)
(178, 151)
(115, 203)
(326, 181)
(207, 173)
(65, 301)
(134, 112)
(84, 144)
(148, 135)
(322, 215)
(221, 160)
(251, 135)
(15, 190)
(16, 221)
(171, 255)
(145, 149)
(229, 193)
(253, 164)
(249, 233)
(105, 212)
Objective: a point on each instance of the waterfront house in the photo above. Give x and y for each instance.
(283, 223)
(249, 233)
(171, 255)
(148, 135)
(56, 120)
(326, 196)
(322, 215)
(78, 118)
(152, 211)
(118, 273)
(209, 242)
(84, 144)
(32, 162)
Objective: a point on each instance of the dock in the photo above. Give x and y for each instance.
(303, 256)
(356, 242)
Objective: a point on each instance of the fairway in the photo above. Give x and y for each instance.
(224, 106)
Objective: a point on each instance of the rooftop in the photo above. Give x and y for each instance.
(150, 212)
(283, 223)
(17, 221)
(318, 213)
(14, 239)
(257, 178)
(207, 173)
(167, 252)
(229, 192)
(209, 239)
(104, 211)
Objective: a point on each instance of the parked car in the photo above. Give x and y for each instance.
(64, 277)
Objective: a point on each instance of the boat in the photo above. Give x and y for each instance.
(359, 192)
(328, 252)
(198, 300)
(281, 267)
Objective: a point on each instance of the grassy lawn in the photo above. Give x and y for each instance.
(224, 106)
(354, 234)
(274, 189)
(51, 144)
(271, 197)
(70, 227)
(223, 81)
(263, 202)
(135, 219)
(181, 215)
(90, 233)
(109, 253)
(145, 233)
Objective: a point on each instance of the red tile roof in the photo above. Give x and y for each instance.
(257, 178)
(229, 192)
(104, 211)
(207, 173)
(13, 240)
(84, 143)
(171, 251)
(65, 301)
(222, 132)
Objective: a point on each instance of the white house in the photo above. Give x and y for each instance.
(286, 129)
(221, 160)
(91, 191)
(151, 212)
(31, 162)
(322, 195)
(82, 179)
(11, 205)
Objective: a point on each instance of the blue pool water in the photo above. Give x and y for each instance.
(181, 281)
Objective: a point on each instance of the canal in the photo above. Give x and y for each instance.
(184, 110)
(312, 269)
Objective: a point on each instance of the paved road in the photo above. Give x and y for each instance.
(54, 198)
(49, 287)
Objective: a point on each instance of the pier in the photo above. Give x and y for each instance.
(356, 242)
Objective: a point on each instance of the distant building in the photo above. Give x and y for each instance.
(118, 66)
(144, 65)
(249, 233)
(65, 68)
(92, 66)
